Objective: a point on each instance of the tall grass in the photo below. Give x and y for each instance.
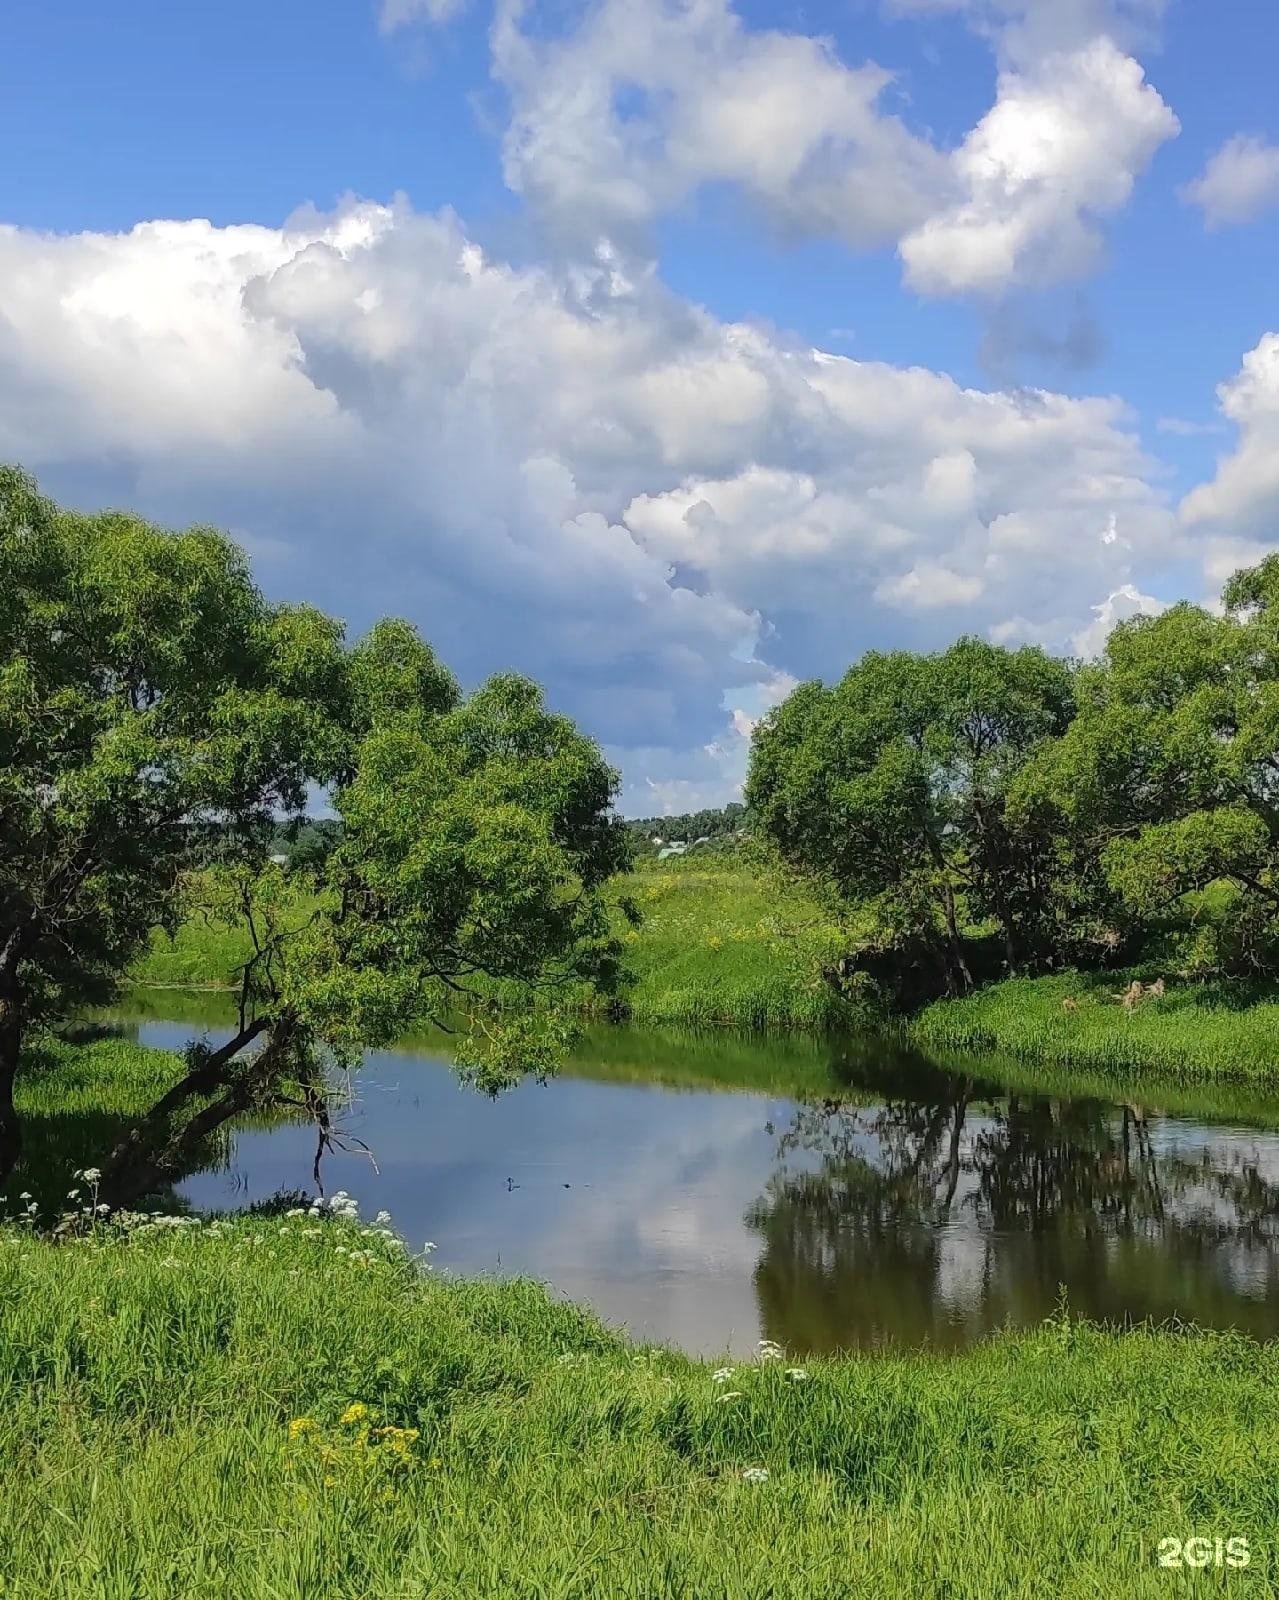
(195, 1412)
(719, 943)
(1196, 1030)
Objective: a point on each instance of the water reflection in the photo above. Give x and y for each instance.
(943, 1213)
(838, 1197)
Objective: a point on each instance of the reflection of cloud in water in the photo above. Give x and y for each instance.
(934, 1212)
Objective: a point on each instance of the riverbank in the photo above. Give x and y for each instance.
(722, 944)
(1196, 1030)
(718, 944)
(170, 1432)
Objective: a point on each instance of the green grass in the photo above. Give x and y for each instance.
(76, 1099)
(719, 943)
(202, 953)
(1197, 1030)
(148, 1386)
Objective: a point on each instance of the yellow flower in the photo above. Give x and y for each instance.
(355, 1412)
(300, 1425)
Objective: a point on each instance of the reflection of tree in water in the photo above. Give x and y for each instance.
(949, 1207)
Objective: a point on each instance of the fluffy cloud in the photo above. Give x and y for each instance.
(641, 103)
(1127, 601)
(646, 101)
(663, 516)
(1236, 515)
(1062, 146)
(1240, 182)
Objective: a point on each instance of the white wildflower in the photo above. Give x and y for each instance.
(756, 1474)
(722, 1375)
(91, 1174)
(382, 1218)
(796, 1374)
(729, 1394)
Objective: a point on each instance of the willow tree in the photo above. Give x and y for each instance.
(891, 788)
(158, 716)
(1168, 780)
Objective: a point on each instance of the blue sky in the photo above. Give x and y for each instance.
(1036, 242)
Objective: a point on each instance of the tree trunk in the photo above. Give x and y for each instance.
(954, 944)
(150, 1134)
(10, 1051)
(12, 1028)
(155, 1152)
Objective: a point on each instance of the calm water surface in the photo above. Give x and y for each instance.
(853, 1196)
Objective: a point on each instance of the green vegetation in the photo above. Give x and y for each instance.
(158, 715)
(715, 830)
(289, 1407)
(1226, 1030)
(718, 941)
(723, 942)
(992, 812)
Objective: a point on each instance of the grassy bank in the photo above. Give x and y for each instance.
(202, 1411)
(1196, 1030)
(719, 943)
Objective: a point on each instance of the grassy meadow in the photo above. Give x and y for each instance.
(278, 1407)
(1199, 1029)
(720, 942)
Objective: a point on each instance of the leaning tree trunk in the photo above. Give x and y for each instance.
(10, 1052)
(159, 1149)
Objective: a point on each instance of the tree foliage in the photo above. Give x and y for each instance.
(893, 787)
(159, 717)
(1168, 778)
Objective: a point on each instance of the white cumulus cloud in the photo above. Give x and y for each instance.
(644, 102)
(663, 516)
(1240, 181)
(1061, 147)
(1235, 516)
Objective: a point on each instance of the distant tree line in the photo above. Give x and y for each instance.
(721, 827)
(992, 810)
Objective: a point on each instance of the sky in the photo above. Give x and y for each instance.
(670, 351)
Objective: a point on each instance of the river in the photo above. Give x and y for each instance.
(713, 1191)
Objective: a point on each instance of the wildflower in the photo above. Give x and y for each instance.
(102, 1208)
(382, 1218)
(73, 1194)
(796, 1374)
(769, 1350)
(25, 1195)
(301, 1425)
(729, 1394)
(355, 1412)
(429, 1246)
(91, 1174)
(722, 1375)
(756, 1474)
